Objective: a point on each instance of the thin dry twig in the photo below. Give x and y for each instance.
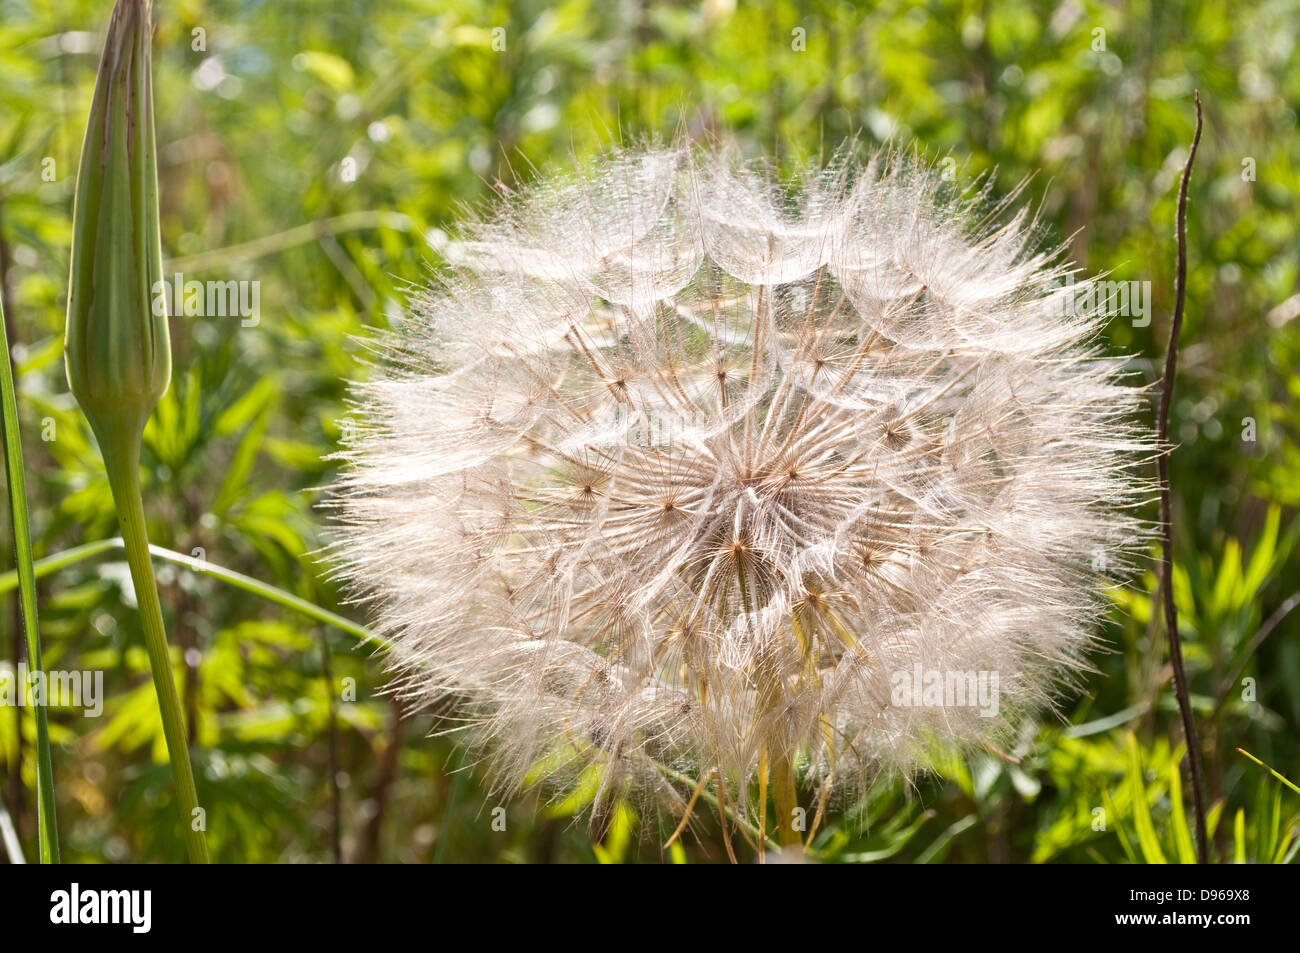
(1166, 524)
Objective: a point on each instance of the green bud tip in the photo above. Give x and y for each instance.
(116, 346)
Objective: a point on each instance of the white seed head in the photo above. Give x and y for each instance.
(678, 470)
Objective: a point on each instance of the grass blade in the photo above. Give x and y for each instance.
(9, 837)
(1178, 817)
(1275, 774)
(936, 851)
(47, 825)
(1239, 837)
(1146, 832)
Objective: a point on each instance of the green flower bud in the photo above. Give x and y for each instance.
(116, 347)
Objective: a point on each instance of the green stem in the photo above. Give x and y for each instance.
(785, 798)
(122, 460)
(711, 799)
(290, 238)
(69, 557)
(47, 826)
(53, 563)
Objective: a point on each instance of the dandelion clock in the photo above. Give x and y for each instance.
(684, 479)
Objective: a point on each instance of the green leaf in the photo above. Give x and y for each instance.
(1262, 558)
(1177, 816)
(253, 402)
(1275, 774)
(619, 837)
(1227, 583)
(240, 468)
(1146, 833)
(1239, 837)
(48, 847)
(936, 851)
(331, 69)
(583, 793)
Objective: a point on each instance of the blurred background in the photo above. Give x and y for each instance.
(324, 150)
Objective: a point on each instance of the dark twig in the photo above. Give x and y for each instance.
(1166, 523)
(389, 764)
(336, 802)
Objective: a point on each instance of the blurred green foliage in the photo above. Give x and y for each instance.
(324, 149)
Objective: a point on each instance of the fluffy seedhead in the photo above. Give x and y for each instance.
(679, 472)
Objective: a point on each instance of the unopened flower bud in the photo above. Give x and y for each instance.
(116, 348)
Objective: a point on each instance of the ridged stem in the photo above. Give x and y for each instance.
(121, 449)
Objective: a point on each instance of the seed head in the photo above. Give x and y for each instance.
(678, 470)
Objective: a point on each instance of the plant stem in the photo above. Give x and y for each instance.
(47, 826)
(290, 238)
(336, 802)
(784, 799)
(121, 452)
(711, 799)
(69, 557)
(1166, 519)
(1275, 774)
